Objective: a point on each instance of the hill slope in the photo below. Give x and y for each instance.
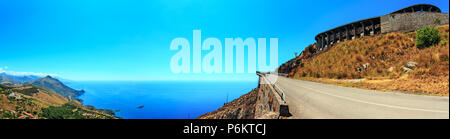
(383, 62)
(240, 108)
(54, 85)
(31, 102)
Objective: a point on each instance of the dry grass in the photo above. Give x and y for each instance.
(50, 99)
(386, 55)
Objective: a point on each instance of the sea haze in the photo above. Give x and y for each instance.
(161, 100)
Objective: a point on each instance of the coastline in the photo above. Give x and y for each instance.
(187, 101)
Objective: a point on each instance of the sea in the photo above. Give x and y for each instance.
(161, 99)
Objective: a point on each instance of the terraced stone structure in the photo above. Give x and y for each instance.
(406, 19)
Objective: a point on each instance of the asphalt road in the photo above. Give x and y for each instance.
(311, 100)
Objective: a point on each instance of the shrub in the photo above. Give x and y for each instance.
(427, 36)
(28, 91)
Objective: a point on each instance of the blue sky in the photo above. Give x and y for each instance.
(129, 40)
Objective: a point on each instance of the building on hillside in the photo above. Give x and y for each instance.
(407, 19)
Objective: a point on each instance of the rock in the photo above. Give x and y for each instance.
(268, 115)
(391, 69)
(365, 66)
(406, 70)
(411, 65)
(359, 70)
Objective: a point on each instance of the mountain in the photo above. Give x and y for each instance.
(6, 79)
(54, 85)
(17, 79)
(26, 101)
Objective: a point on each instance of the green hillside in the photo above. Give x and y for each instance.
(54, 85)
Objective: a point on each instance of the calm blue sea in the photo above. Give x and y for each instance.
(161, 100)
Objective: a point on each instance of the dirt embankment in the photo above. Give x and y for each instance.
(241, 108)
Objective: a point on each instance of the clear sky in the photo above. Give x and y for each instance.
(129, 40)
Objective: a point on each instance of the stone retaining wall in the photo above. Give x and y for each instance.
(411, 21)
(268, 102)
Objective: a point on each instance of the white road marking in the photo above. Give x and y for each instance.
(378, 104)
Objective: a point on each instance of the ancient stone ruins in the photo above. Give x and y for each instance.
(407, 19)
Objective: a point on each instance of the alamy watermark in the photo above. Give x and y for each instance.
(181, 61)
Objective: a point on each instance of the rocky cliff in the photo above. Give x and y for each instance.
(262, 102)
(241, 108)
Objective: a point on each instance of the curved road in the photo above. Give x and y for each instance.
(313, 100)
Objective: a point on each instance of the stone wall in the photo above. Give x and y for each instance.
(263, 102)
(268, 102)
(411, 21)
